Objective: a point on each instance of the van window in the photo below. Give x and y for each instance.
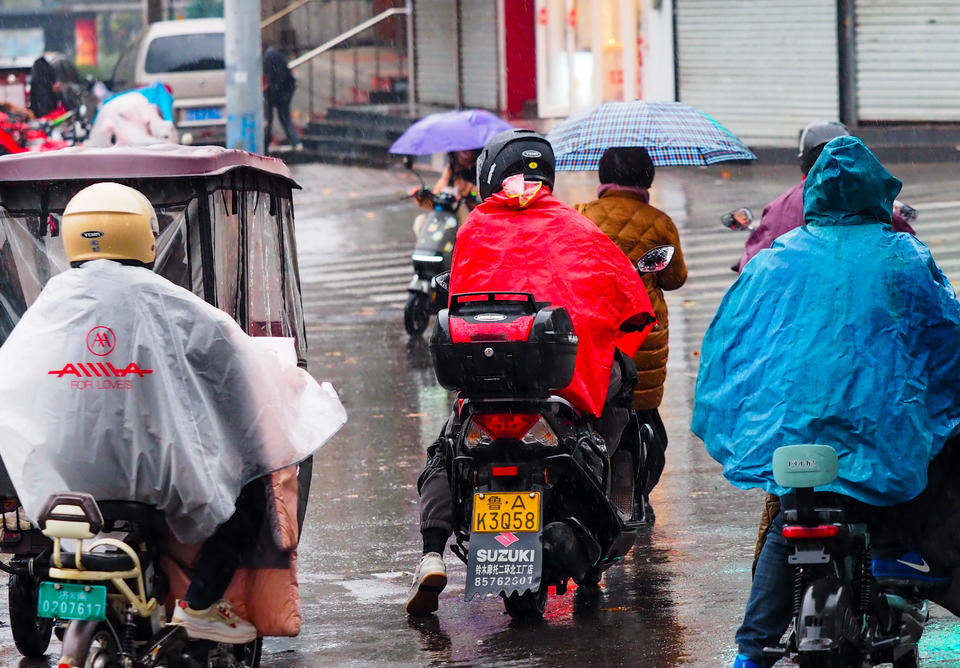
(185, 53)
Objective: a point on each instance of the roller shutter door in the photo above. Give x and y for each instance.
(480, 66)
(908, 60)
(435, 26)
(763, 68)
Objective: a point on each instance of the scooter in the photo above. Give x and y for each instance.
(843, 616)
(539, 499)
(104, 597)
(432, 254)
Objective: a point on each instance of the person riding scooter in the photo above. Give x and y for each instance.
(847, 335)
(521, 238)
(786, 212)
(118, 383)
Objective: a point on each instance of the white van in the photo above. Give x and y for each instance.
(187, 56)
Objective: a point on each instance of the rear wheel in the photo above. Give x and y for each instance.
(528, 605)
(909, 660)
(416, 314)
(31, 633)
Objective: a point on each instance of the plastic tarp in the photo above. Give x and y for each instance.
(118, 383)
(523, 239)
(845, 333)
(130, 119)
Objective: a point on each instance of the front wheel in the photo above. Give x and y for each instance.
(31, 633)
(528, 605)
(416, 314)
(820, 660)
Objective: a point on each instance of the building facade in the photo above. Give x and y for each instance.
(763, 68)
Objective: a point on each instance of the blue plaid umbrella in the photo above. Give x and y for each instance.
(673, 134)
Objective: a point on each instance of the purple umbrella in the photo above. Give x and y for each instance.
(449, 131)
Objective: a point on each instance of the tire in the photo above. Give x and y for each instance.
(591, 579)
(31, 633)
(910, 660)
(623, 482)
(820, 660)
(249, 655)
(529, 605)
(416, 314)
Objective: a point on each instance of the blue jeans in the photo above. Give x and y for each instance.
(769, 609)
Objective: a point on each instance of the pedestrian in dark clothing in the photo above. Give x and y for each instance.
(278, 94)
(43, 84)
(623, 212)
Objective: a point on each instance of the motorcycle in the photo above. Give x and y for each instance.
(843, 616)
(538, 497)
(432, 255)
(106, 595)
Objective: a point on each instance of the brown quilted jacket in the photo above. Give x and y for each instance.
(636, 227)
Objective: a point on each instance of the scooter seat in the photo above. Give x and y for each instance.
(98, 561)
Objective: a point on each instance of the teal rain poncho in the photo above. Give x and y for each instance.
(845, 333)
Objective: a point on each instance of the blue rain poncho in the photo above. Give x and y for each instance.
(845, 333)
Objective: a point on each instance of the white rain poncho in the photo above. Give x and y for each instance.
(118, 383)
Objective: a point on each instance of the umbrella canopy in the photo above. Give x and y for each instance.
(673, 134)
(449, 131)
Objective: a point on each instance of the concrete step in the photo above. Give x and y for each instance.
(352, 129)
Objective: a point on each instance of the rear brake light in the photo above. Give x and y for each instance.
(506, 425)
(504, 471)
(801, 533)
(531, 428)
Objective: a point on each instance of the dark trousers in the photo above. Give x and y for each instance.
(281, 102)
(226, 549)
(436, 497)
(656, 450)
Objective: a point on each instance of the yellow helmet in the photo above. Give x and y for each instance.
(109, 221)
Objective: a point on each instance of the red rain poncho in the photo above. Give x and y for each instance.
(524, 239)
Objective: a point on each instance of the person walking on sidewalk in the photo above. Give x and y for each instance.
(278, 94)
(623, 212)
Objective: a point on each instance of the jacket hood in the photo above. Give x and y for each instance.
(847, 185)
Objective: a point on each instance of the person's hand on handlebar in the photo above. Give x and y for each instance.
(423, 197)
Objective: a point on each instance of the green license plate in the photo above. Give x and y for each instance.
(64, 600)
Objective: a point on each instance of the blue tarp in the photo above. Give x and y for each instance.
(844, 333)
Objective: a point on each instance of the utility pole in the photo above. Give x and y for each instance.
(152, 11)
(245, 125)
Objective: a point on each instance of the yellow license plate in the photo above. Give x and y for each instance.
(494, 512)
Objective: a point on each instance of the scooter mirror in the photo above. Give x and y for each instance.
(655, 259)
(440, 290)
(738, 219)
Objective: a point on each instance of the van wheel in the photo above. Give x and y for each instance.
(31, 633)
(528, 605)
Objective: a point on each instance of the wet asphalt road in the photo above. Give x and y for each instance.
(676, 599)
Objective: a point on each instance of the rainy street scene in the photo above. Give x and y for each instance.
(479, 332)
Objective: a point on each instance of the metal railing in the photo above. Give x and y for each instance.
(338, 48)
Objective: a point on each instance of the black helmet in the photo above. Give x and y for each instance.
(514, 152)
(814, 136)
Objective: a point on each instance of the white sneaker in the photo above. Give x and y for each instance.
(217, 623)
(428, 582)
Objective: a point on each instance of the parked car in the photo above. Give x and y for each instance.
(187, 56)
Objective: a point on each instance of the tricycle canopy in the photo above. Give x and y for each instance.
(226, 227)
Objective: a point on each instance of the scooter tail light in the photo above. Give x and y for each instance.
(504, 471)
(530, 428)
(506, 425)
(809, 533)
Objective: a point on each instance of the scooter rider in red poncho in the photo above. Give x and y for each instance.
(522, 238)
